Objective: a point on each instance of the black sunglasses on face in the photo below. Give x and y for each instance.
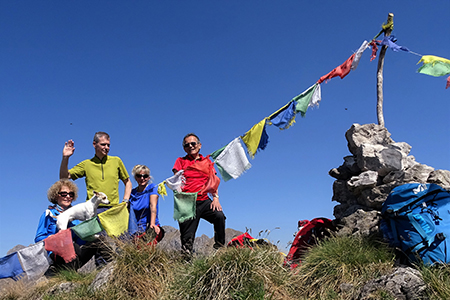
(65, 194)
(142, 175)
(193, 144)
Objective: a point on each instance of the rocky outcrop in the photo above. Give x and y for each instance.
(102, 277)
(403, 284)
(203, 245)
(365, 179)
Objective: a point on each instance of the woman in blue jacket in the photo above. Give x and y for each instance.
(144, 204)
(61, 194)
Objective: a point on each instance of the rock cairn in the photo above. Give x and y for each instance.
(365, 179)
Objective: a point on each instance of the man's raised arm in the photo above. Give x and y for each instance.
(69, 148)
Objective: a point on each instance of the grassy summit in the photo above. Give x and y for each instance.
(142, 272)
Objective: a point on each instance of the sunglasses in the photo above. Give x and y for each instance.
(193, 144)
(142, 175)
(65, 194)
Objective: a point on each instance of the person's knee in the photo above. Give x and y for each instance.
(219, 217)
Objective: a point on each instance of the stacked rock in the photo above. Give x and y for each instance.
(365, 179)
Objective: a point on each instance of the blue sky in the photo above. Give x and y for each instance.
(148, 72)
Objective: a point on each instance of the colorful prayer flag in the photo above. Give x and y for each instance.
(437, 69)
(162, 189)
(87, 230)
(316, 97)
(434, 66)
(340, 71)
(231, 160)
(176, 182)
(205, 166)
(256, 138)
(184, 206)
(303, 100)
(264, 139)
(284, 117)
(374, 45)
(35, 260)
(223, 173)
(358, 54)
(61, 244)
(10, 266)
(431, 59)
(115, 219)
(390, 42)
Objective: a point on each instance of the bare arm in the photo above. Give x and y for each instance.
(69, 148)
(128, 188)
(215, 204)
(153, 202)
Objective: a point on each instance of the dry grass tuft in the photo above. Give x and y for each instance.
(438, 278)
(142, 271)
(338, 260)
(235, 273)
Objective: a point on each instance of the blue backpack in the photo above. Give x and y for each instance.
(416, 220)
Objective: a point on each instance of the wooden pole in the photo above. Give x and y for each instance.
(387, 32)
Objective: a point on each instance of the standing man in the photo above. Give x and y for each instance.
(199, 173)
(102, 172)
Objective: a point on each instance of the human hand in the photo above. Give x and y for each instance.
(156, 228)
(69, 148)
(215, 204)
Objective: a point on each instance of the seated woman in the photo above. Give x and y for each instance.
(144, 204)
(61, 194)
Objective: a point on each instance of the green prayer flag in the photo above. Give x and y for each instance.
(216, 153)
(435, 69)
(223, 173)
(87, 229)
(302, 100)
(184, 206)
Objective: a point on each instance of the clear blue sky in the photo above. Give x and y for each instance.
(148, 72)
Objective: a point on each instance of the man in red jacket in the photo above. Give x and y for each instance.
(201, 179)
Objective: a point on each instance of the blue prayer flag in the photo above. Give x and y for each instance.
(10, 266)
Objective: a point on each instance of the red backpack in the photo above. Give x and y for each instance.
(246, 240)
(309, 232)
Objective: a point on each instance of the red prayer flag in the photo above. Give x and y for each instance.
(340, 71)
(374, 45)
(61, 244)
(448, 83)
(206, 167)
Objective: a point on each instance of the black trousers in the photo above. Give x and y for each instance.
(203, 211)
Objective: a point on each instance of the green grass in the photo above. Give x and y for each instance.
(338, 260)
(235, 273)
(438, 279)
(143, 272)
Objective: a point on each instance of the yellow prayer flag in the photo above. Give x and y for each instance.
(115, 219)
(162, 189)
(253, 137)
(431, 59)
